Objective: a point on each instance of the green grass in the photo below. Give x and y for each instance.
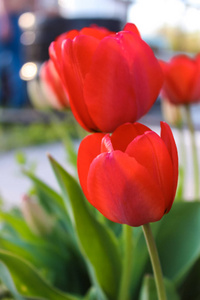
(18, 136)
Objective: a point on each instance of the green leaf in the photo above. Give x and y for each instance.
(140, 258)
(51, 255)
(190, 288)
(40, 255)
(27, 281)
(92, 294)
(49, 198)
(149, 292)
(7, 280)
(70, 149)
(20, 158)
(17, 224)
(178, 239)
(98, 242)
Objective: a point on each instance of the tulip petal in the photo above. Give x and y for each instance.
(52, 82)
(151, 152)
(68, 35)
(125, 133)
(95, 31)
(182, 75)
(74, 68)
(55, 49)
(179, 79)
(83, 49)
(123, 191)
(195, 92)
(168, 139)
(124, 68)
(108, 88)
(55, 57)
(131, 27)
(146, 73)
(89, 148)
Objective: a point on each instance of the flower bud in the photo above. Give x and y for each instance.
(181, 79)
(38, 220)
(130, 176)
(52, 86)
(110, 78)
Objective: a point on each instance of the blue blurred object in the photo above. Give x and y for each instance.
(12, 87)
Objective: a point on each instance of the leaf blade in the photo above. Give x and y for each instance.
(27, 281)
(99, 245)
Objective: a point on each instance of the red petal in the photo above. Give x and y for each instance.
(195, 92)
(50, 77)
(146, 73)
(55, 49)
(109, 92)
(164, 65)
(179, 79)
(73, 71)
(55, 57)
(84, 48)
(125, 133)
(151, 152)
(121, 189)
(68, 35)
(168, 139)
(89, 148)
(124, 81)
(96, 32)
(131, 27)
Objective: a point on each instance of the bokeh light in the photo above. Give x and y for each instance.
(28, 71)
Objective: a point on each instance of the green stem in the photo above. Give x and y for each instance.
(153, 253)
(183, 167)
(194, 151)
(127, 264)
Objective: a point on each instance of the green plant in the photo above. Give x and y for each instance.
(81, 256)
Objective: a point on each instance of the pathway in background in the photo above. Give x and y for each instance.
(13, 185)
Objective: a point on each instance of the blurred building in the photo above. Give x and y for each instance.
(66, 15)
(12, 88)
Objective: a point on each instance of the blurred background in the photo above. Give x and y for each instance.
(27, 27)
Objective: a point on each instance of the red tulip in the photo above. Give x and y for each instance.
(130, 176)
(111, 78)
(182, 79)
(52, 86)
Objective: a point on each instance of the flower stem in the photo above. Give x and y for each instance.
(127, 264)
(153, 253)
(183, 167)
(194, 151)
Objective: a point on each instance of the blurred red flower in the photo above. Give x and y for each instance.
(111, 78)
(130, 176)
(181, 79)
(52, 86)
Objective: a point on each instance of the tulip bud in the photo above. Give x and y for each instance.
(181, 79)
(130, 176)
(110, 78)
(38, 100)
(40, 223)
(52, 86)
